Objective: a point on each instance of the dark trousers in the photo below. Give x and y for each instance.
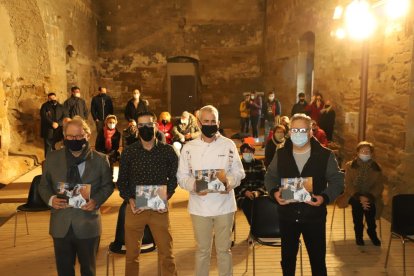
(66, 250)
(246, 206)
(255, 125)
(358, 217)
(314, 235)
(244, 125)
(99, 126)
(49, 145)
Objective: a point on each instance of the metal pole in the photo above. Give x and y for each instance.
(364, 89)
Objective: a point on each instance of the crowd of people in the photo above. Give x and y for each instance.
(149, 158)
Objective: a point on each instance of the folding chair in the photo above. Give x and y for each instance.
(264, 228)
(402, 222)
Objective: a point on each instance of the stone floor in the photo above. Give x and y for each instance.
(33, 254)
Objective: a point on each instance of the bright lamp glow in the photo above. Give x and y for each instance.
(359, 21)
(396, 8)
(338, 12)
(340, 33)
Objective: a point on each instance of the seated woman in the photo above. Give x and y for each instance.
(276, 142)
(165, 126)
(130, 133)
(364, 183)
(107, 141)
(253, 184)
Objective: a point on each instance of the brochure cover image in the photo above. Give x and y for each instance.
(298, 189)
(151, 197)
(75, 196)
(209, 181)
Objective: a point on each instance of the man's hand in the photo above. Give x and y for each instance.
(202, 193)
(249, 195)
(187, 136)
(279, 199)
(165, 210)
(59, 203)
(90, 206)
(317, 200)
(365, 202)
(55, 125)
(133, 207)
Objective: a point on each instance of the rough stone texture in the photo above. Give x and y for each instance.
(337, 76)
(33, 62)
(137, 37)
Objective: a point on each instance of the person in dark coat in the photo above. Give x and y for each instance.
(327, 120)
(101, 107)
(276, 142)
(255, 106)
(51, 121)
(300, 106)
(75, 105)
(108, 139)
(253, 184)
(135, 105)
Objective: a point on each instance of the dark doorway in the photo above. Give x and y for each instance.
(183, 84)
(183, 94)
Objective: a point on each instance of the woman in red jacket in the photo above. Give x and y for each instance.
(314, 108)
(165, 126)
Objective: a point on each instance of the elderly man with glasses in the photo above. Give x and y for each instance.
(303, 157)
(146, 164)
(76, 229)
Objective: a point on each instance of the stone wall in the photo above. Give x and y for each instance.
(33, 62)
(225, 36)
(337, 75)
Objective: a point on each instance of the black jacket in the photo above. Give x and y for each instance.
(50, 113)
(328, 180)
(299, 108)
(75, 106)
(101, 106)
(131, 112)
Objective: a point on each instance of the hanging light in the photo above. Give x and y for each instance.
(360, 22)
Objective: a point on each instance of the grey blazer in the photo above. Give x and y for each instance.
(85, 224)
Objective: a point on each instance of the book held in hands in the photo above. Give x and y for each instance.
(297, 189)
(76, 195)
(152, 197)
(209, 181)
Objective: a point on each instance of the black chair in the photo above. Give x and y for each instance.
(402, 222)
(34, 204)
(118, 245)
(264, 228)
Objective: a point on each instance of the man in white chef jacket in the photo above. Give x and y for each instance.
(212, 214)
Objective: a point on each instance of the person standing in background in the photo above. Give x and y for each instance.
(135, 106)
(244, 115)
(101, 107)
(255, 106)
(272, 110)
(51, 121)
(315, 106)
(75, 105)
(327, 120)
(300, 106)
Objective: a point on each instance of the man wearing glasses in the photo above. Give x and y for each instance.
(148, 162)
(303, 156)
(76, 230)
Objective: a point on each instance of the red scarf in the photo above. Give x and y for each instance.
(108, 133)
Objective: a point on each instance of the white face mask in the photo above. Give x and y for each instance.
(77, 95)
(111, 126)
(248, 156)
(184, 121)
(136, 96)
(299, 139)
(364, 157)
(252, 97)
(271, 98)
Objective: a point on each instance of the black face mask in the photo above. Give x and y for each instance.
(301, 100)
(327, 106)
(146, 133)
(53, 102)
(75, 145)
(209, 130)
(164, 122)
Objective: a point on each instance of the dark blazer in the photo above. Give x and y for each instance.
(50, 113)
(131, 112)
(75, 106)
(85, 224)
(101, 106)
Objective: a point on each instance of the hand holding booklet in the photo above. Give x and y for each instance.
(209, 181)
(297, 189)
(76, 195)
(153, 197)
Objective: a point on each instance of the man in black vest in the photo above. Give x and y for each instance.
(51, 117)
(303, 156)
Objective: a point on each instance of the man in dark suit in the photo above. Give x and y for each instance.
(51, 117)
(75, 105)
(101, 106)
(76, 231)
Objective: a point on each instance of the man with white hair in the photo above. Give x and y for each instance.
(211, 212)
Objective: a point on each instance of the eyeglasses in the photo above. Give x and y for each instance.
(75, 137)
(151, 124)
(300, 130)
